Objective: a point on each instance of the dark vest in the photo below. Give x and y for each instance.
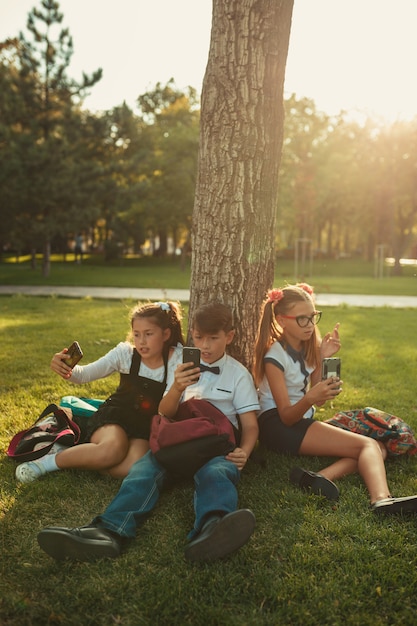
(135, 400)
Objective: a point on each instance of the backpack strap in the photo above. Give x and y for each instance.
(65, 430)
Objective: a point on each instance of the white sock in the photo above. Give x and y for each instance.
(57, 447)
(48, 462)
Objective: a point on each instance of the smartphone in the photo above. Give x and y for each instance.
(331, 367)
(73, 355)
(191, 355)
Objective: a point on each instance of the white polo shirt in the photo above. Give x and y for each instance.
(297, 376)
(232, 391)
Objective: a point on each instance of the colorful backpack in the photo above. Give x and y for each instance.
(392, 431)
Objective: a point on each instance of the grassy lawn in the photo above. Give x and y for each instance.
(309, 562)
(343, 276)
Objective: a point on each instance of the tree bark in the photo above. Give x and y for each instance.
(241, 132)
(46, 260)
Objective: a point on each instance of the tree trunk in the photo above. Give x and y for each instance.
(46, 260)
(33, 258)
(241, 133)
(163, 241)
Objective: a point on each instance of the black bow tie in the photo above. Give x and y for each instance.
(207, 368)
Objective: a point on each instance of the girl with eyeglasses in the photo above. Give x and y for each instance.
(287, 370)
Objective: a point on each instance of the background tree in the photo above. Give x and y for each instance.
(48, 99)
(121, 151)
(172, 117)
(395, 195)
(337, 184)
(305, 131)
(11, 174)
(349, 184)
(240, 148)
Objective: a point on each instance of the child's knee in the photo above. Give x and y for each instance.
(111, 454)
(217, 469)
(374, 446)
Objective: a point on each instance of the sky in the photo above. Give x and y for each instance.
(354, 55)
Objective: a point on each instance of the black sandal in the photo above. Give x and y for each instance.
(314, 483)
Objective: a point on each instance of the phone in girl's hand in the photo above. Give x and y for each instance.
(73, 355)
(330, 367)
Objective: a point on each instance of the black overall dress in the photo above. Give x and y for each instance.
(132, 405)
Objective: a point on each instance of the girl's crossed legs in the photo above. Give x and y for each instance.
(356, 452)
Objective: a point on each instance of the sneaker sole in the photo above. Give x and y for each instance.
(229, 534)
(61, 545)
(25, 476)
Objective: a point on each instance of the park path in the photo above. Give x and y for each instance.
(183, 295)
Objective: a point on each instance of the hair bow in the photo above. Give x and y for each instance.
(306, 287)
(275, 295)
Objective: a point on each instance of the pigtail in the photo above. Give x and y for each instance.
(268, 332)
(175, 325)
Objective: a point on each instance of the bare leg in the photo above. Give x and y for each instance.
(108, 447)
(346, 466)
(137, 449)
(324, 440)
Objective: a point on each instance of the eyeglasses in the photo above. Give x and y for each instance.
(304, 320)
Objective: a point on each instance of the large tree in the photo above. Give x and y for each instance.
(241, 134)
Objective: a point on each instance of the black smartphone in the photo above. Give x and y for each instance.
(73, 355)
(191, 355)
(331, 367)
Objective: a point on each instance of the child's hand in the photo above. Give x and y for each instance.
(238, 457)
(58, 365)
(330, 343)
(325, 390)
(185, 376)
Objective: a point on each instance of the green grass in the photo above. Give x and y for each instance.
(133, 273)
(343, 276)
(308, 563)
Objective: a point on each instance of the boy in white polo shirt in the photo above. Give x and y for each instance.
(220, 528)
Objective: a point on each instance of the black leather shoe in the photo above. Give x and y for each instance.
(314, 483)
(79, 544)
(220, 537)
(388, 506)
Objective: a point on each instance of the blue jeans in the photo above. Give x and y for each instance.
(215, 492)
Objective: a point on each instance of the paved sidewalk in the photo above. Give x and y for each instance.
(108, 293)
(183, 295)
